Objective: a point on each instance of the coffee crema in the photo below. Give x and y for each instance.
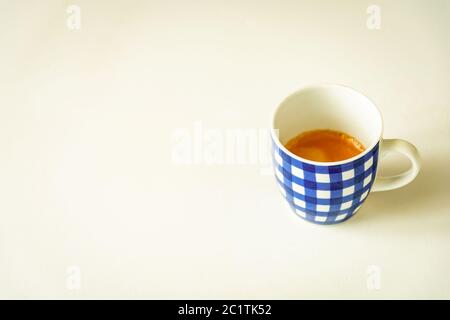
(325, 145)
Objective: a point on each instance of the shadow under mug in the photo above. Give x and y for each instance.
(332, 192)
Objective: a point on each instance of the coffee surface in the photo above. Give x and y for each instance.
(325, 145)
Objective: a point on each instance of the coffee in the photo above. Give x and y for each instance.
(325, 145)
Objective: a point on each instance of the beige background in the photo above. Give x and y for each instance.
(86, 177)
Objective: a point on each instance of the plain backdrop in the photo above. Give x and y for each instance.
(92, 204)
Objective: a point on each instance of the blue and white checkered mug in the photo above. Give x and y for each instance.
(332, 192)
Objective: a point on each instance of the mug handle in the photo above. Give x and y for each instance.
(402, 179)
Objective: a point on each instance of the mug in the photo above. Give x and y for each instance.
(332, 192)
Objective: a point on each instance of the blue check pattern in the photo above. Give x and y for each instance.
(325, 194)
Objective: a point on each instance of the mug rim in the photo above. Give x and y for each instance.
(318, 163)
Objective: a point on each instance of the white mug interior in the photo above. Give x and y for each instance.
(333, 107)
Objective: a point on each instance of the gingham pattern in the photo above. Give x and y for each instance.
(325, 194)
